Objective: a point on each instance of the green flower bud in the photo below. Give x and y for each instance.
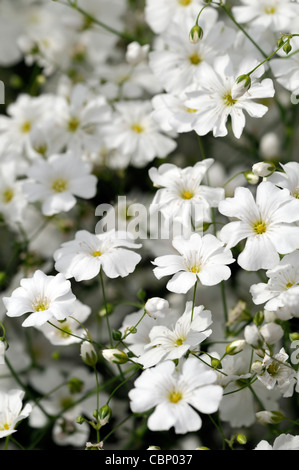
(215, 363)
(287, 47)
(235, 347)
(241, 439)
(258, 318)
(88, 354)
(251, 177)
(269, 417)
(116, 335)
(196, 34)
(104, 414)
(75, 385)
(115, 355)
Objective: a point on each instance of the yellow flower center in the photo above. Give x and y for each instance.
(175, 397)
(60, 185)
(137, 128)
(4, 427)
(185, 3)
(195, 59)
(179, 341)
(229, 100)
(191, 110)
(26, 127)
(195, 269)
(289, 285)
(73, 124)
(187, 195)
(96, 253)
(7, 196)
(296, 192)
(270, 10)
(66, 330)
(41, 305)
(259, 227)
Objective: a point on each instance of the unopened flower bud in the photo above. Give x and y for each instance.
(88, 354)
(136, 53)
(294, 337)
(287, 47)
(241, 439)
(251, 177)
(202, 448)
(75, 385)
(257, 367)
(258, 318)
(263, 169)
(243, 83)
(154, 448)
(269, 417)
(115, 355)
(215, 363)
(104, 414)
(235, 347)
(156, 307)
(196, 34)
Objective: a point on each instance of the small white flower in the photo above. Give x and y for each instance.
(57, 182)
(281, 293)
(176, 394)
(278, 373)
(182, 197)
(136, 53)
(214, 97)
(288, 178)
(84, 257)
(202, 259)
(156, 307)
(172, 343)
(11, 411)
(42, 297)
(266, 223)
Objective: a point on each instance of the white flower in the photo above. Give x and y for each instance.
(282, 442)
(275, 15)
(136, 135)
(215, 97)
(42, 297)
(79, 117)
(172, 343)
(58, 181)
(175, 395)
(182, 196)
(202, 259)
(263, 169)
(288, 178)
(278, 373)
(136, 53)
(286, 72)
(156, 307)
(83, 257)
(177, 62)
(12, 198)
(281, 293)
(266, 223)
(271, 332)
(11, 411)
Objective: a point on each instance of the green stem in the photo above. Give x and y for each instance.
(106, 308)
(193, 301)
(98, 402)
(228, 13)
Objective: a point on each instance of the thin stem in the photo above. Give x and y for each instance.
(193, 301)
(106, 308)
(98, 402)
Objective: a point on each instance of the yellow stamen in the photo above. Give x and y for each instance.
(73, 124)
(175, 397)
(96, 253)
(260, 227)
(187, 195)
(60, 185)
(137, 128)
(179, 341)
(7, 196)
(289, 285)
(41, 306)
(195, 269)
(195, 59)
(26, 127)
(191, 110)
(185, 3)
(229, 100)
(270, 10)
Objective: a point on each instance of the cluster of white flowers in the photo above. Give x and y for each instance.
(141, 141)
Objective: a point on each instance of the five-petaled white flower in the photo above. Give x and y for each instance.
(11, 411)
(42, 297)
(177, 395)
(84, 257)
(202, 259)
(266, 223)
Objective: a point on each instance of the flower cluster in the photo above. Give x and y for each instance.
(149, 210)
